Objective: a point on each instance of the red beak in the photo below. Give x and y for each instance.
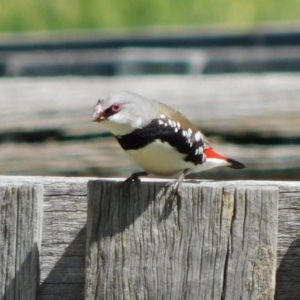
(99, 114)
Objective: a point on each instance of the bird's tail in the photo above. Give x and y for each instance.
(235, 164)
(211, 153)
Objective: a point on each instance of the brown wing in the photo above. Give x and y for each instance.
(172, 114)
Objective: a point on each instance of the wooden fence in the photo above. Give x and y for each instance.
(85, 238)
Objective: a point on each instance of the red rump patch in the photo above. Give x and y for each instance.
(210, 153)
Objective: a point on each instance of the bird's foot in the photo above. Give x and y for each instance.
(132, 178)
(174, 188)
(135, 177)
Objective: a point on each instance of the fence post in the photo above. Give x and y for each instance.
(218, 242)
(20, 239)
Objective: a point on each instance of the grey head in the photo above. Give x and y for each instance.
(124, 112)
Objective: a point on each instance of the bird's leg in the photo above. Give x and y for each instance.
(176, 186)
(135, 177)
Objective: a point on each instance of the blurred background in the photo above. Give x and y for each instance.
(231, 66)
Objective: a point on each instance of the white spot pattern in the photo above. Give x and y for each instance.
(197, 136)
(194, 140)
(163, 121)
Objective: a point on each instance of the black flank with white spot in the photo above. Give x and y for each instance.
(160, 129)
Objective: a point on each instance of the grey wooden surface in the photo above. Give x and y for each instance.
(20, 240)
(220, 242)
(64, 234)
(253, 118)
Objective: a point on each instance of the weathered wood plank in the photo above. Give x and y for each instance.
(266, 104)
(63, 238)
(288, 273)
(252, 259)
(20, 240)
(63, 249)
(220, 242)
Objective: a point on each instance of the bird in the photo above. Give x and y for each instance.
(159, 139)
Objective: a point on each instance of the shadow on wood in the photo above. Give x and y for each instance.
(24, 283)
(288, 274)
(20, 240)
(63, 283)
(220, 244)
(123, 204)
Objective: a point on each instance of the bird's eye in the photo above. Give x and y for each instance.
(116, 107)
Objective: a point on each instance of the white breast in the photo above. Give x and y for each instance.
(160, 158)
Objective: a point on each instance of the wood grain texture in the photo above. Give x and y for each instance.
(21, 208)
(63, 245)
(63, 235)
(63, 241)
(219, 242)
(265, 103)
(288, 273)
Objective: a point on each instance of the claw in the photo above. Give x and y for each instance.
(175, 187)
(135, 177)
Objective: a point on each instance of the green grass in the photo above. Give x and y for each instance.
(31, 15)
